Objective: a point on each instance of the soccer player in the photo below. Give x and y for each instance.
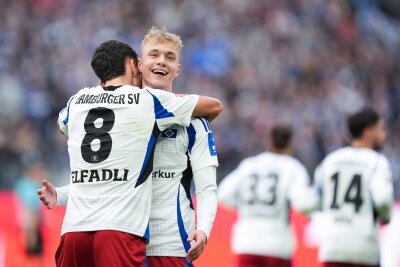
(112, 131)
(357, 192)
(181, 153)
(262, 189)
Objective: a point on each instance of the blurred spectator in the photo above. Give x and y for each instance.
(26, 189)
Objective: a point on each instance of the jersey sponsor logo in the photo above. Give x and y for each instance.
(162, 174)
(169, 133)
(211, 144)
(107, 98)
(90, 176)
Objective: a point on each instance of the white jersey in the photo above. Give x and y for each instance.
(181, 152)
(112, 133)
(353, 182)
(262, 188)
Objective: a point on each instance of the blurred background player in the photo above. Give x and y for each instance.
(356, 193)
(112, 132)
(263, 188)
(181, 154)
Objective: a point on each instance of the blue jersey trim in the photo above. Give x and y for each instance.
(181, 227)
(147, 166)
(145, 261)
(188, 264)
(203, 121)
(147, 232)
(159, 110)
(208, 124)
(211, 144)
(65, 121)
(191, 132)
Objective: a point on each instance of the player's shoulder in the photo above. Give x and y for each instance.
(200, 124)
(156, 92)
(86, 90)
(295, 163)
(289, 162)
(255, 160)
(338, 153)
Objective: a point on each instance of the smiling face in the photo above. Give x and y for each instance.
(159, 63)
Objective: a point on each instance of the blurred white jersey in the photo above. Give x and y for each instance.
(262, 188)
(179, 153)
(112, 133)
(353, 182)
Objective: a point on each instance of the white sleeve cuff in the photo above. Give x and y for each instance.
(62, 195)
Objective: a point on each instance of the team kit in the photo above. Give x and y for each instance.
(138, 152)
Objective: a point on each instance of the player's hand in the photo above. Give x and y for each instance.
(200, 240)
(48, 194)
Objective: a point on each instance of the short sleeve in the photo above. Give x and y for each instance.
(381, 185)
(171, 109)
(63, 117)
(201, 149)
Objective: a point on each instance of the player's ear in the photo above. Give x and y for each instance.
(177, 70)
(140, 65)
(130, 66)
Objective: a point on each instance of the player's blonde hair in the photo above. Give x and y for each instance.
(162, 35)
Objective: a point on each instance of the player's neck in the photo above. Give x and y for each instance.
(283, 151)
(118, 81)
(361, 144)
(165, 88)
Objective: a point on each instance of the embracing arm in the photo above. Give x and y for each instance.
(209, 107)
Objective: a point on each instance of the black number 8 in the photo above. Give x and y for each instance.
(93, 133)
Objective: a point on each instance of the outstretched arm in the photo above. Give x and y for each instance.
(209, 107)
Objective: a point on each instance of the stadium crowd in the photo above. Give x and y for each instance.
(307, 62)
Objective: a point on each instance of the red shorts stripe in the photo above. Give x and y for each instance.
(246, 260)
(339, 264)
(163, 261)
(100, 249)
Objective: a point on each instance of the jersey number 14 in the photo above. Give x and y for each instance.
(353, 192)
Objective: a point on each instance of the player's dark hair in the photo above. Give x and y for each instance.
(362, 120)
(108, 60)
(281, 136)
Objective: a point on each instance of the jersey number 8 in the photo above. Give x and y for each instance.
(101, 133)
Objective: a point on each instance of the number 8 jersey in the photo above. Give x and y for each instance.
(112, 133)
(353, 182)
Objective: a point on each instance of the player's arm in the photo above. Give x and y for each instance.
(229, 186)
(203, 160)
(209, 107)
(206, 195)
(317, 184)
(381, 188)
(178, 109)
(303, 197)
(53, 196)
(63, 117)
